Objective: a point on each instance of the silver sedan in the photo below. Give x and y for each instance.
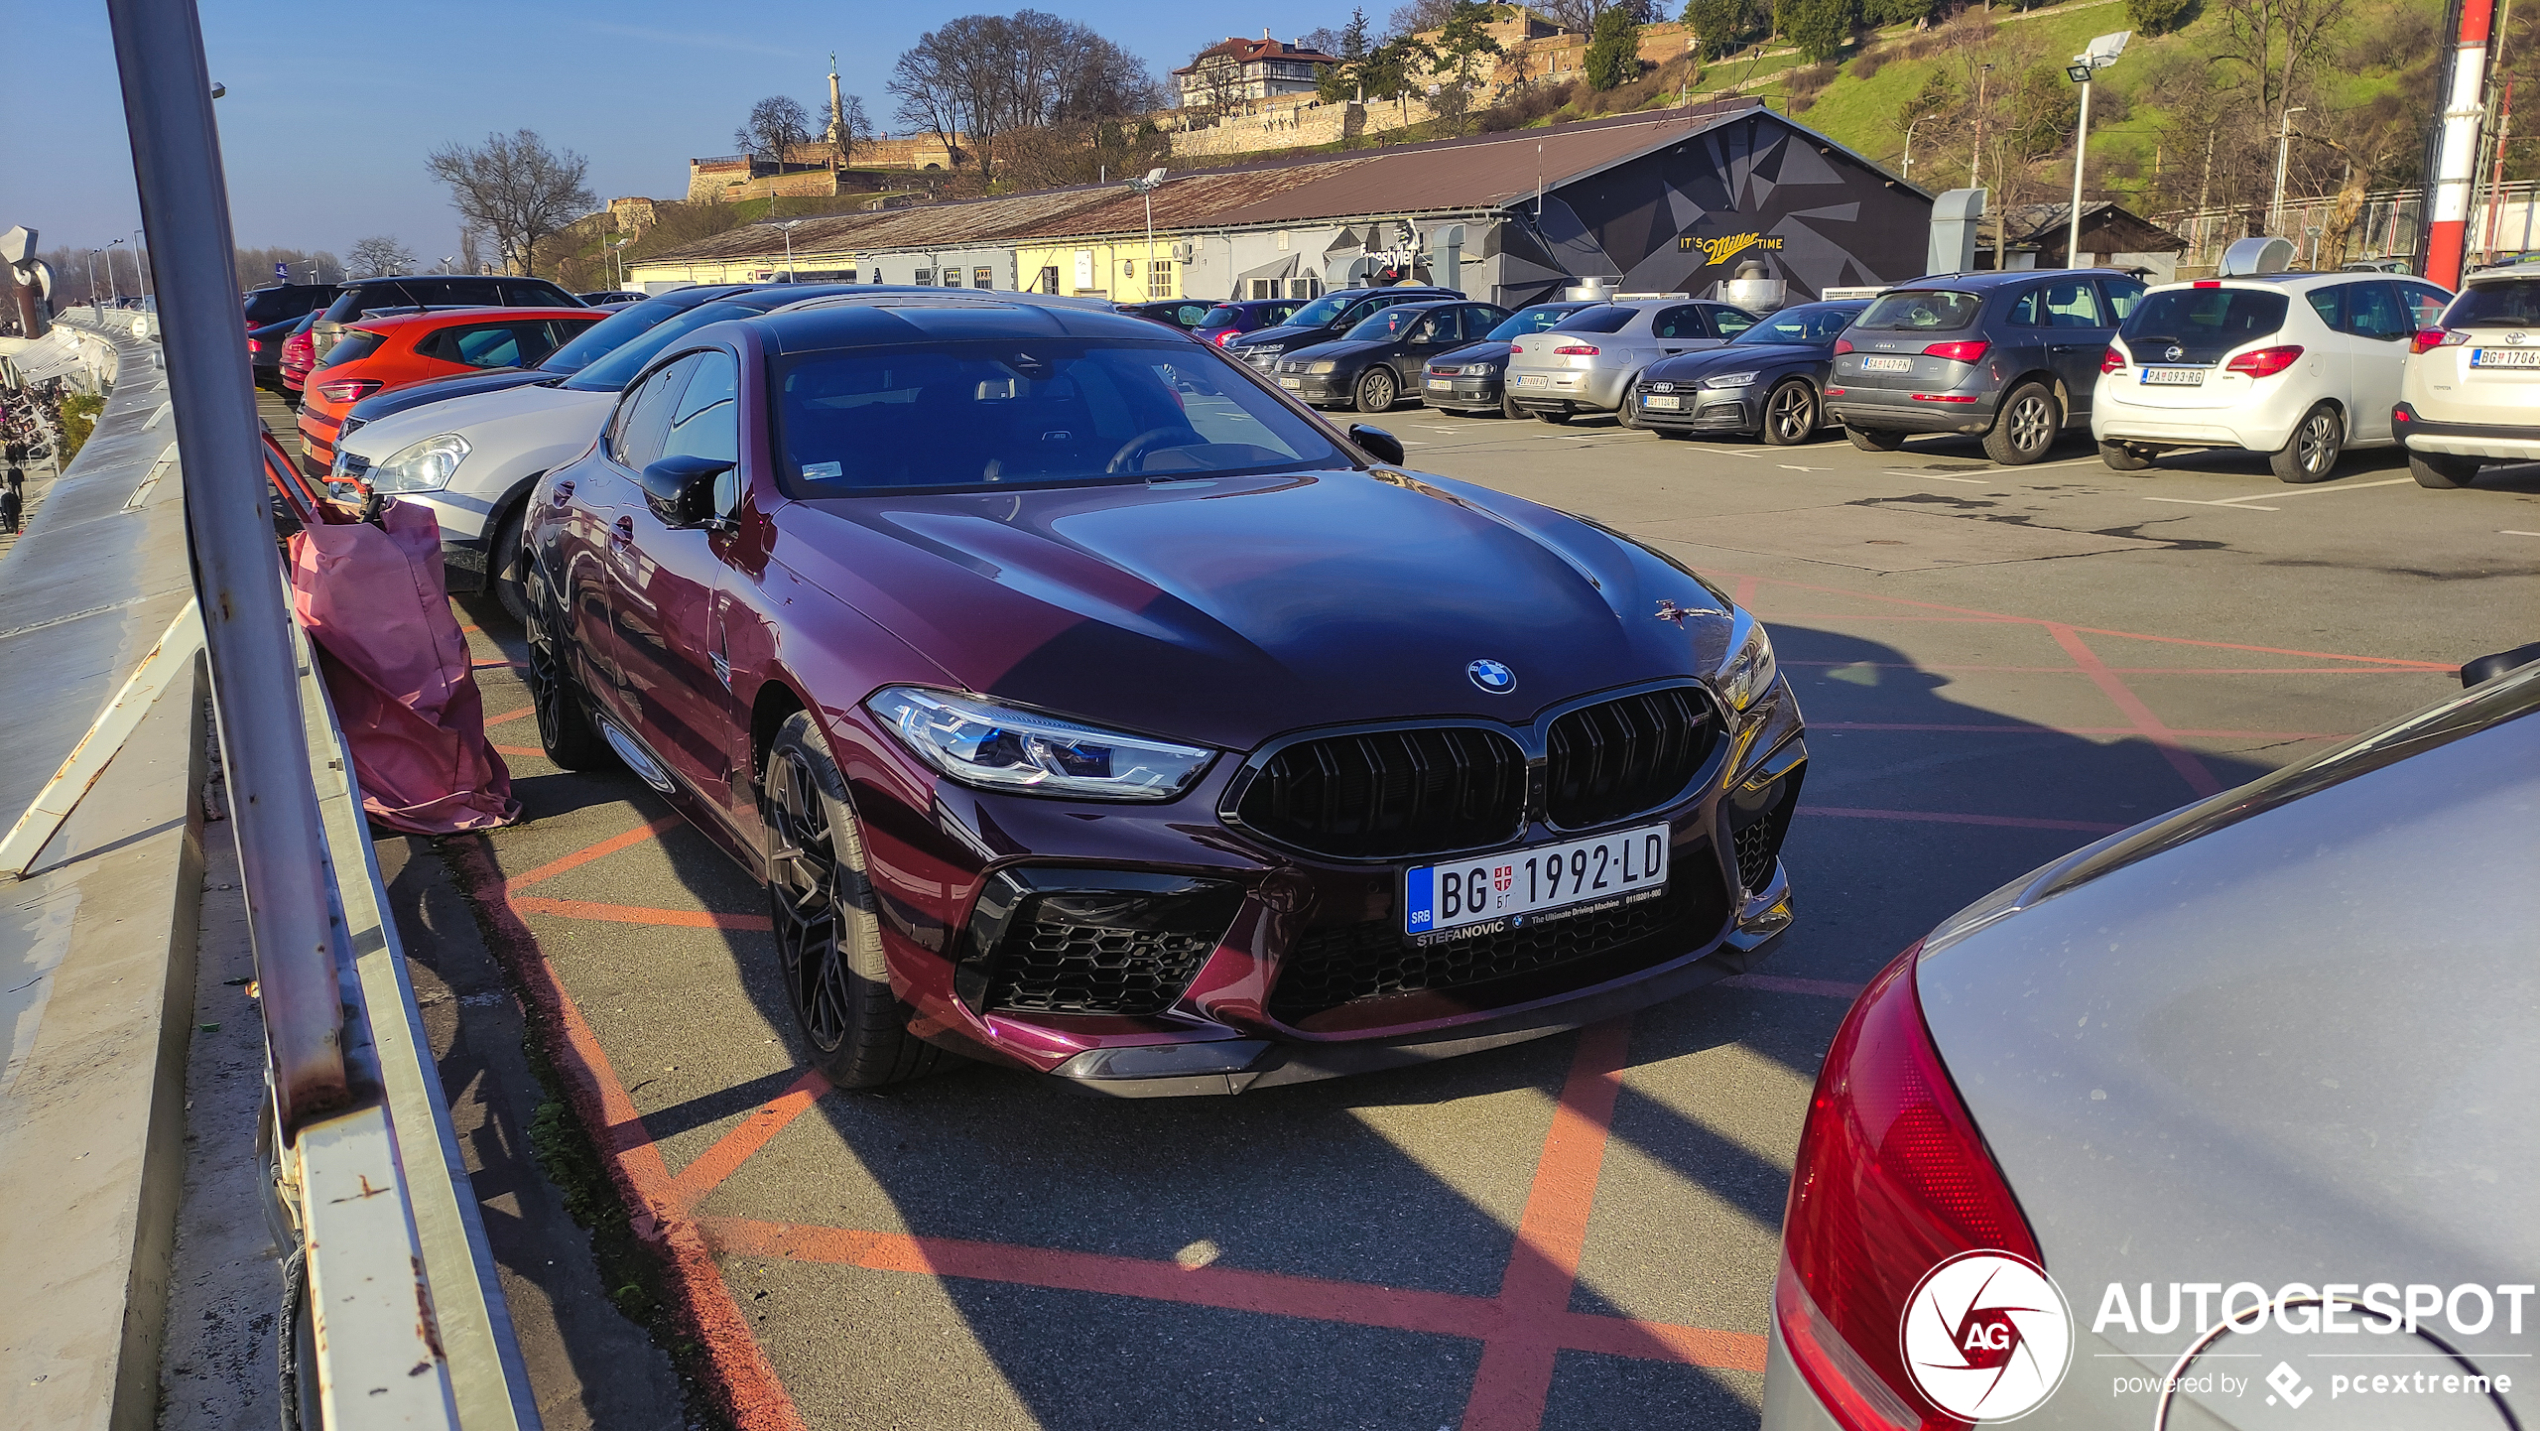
(2229, 1120)
(1588, 361)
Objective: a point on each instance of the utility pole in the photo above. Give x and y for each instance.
(788, 229)
(140, 274)
(114, 286)
(2283, 145)
(2102, 53)
(2452, 171)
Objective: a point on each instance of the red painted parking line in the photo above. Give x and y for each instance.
(1743, 594)
(498, 661)
(734, 1148)
(1945, 817)
(602, 850)
(2071, 730)
(1784, 984)
(2120, 670)
(2189, 767)
(511, 715)
(638, 914)
(520, 750)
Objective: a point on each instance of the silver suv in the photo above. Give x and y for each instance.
(2471, 392)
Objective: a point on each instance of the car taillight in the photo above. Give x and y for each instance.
(348, 389)
(1222, 337)
(2429, 339)
(2112, 360)
(1575, 350)
(2208, 283)
(2264, 362)
(255, 345)
(1842, 345)
(1963, 352)
(1892, 1179)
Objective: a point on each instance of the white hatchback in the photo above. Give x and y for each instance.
(2300, 366)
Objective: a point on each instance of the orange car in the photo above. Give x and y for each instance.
(393, 350)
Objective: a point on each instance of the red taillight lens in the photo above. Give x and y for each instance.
(348, 389)
(2265, 362)
(255, 345)
(1966, 352)
(2112, 360)
(2208, 283)
(1575, 350)
(1842, 345)
(2429, 339)
(1892, 1180)
(1222, 337)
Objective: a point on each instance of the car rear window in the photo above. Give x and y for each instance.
(2511, 303)
(1532, 320)
(1222, 316)
(604, 336)
(2201, 323)
(352, 347)
(1015, 412)
(272, 305)
(1921, 310)
(1604, 318)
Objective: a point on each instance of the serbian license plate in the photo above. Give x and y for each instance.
(1292, 382)
(1548, 882)
(1446, 383)
(2504, 357)
(1534, 380)
(1663, 404)
(1887, 365)
(2173, 377)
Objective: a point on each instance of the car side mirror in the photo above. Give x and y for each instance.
(1377, 443)
(688, 491)
(2488, 668)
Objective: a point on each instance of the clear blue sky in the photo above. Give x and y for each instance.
(332, 108)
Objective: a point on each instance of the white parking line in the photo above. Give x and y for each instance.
(2510, 532)
(2235, 504)
(2250, 503)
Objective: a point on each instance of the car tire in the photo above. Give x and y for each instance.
(1628, 415)
(1556, 417)
(2442, 471)
(2025, 428)
(1790, 414)
(2311, 453)
(1376, 390)
(1871, 439)
(828, 927)
(2121, 458)
(507, 565)
(566, 730)
(1508, 408)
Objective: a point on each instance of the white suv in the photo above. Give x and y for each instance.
(2300, 366)
(2472, 392)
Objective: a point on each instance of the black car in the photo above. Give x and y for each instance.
(610, 297)
(365, 296)
(1767, 380)
(1182, 313)
(1244, 315)
(596, 341)
(1373, 365)
(1324, 319)
(264, 352)
(282, 302)
(2010, 357)
(1472, 381)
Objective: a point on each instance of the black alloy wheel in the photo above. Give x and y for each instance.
(2026, 426)
(2442, 471)
(1628, 415)
(828, 928)
(565, 728)
(1790, 414)
(2311, 453)
(1874, 439)
(1376, 390)
(2121, 458)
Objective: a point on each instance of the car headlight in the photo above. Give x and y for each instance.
(424, 467)
(1477, 370)
(995, 747)
(1322, 365)
(1748, 672)
(1730, 380)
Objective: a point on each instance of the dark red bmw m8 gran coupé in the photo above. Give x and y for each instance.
(1087, 706)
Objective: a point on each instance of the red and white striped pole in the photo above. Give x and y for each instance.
(2452, 179)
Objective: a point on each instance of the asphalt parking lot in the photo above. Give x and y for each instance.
(1997, 666)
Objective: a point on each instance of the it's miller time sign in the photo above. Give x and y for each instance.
(1720, 250)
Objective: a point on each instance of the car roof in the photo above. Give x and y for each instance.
(391, 321)
(872, 314)
(1993, 278)
(2528, 269)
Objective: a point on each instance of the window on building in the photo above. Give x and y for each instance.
(924, 278)
(1160, 278)
(1305, 288)
(1049, 279)
(982, 278)
(952, 278)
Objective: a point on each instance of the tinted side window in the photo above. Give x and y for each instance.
(2426, 302)
(2330, 304)
(1438, 327)
(2373, 310)
(2121, 293)
(635, 439)
(706, 421)
(1679, 322)
(2070, 303)
(1731, 321)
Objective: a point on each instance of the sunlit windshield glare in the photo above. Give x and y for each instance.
(1383, 327)
(1532, 320)
(1027, 412)
(612, 373)
(1321, 311)
(604, 336)
(1797, 325)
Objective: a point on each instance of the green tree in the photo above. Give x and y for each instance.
(2043, 111)
(1613, 52)
(1906, 12)
(1936, 95)
(1339, 83)
(2158, 17)
(1456, 60)
(1820, 28)
(1723, 25)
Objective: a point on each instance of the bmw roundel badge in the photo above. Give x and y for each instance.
(1492, 676)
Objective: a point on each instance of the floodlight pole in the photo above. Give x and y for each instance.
(114, 285)
(2081, 141)
(2283, 144)
(140, 275)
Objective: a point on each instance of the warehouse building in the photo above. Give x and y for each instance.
(1672, 201)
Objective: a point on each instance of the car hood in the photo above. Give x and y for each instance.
(1281, 334)
(497, 425)
(2303, 1048)
(1494, 352)
(457, 385)
(1732, 359)
(1227, 610)
(1337, 348)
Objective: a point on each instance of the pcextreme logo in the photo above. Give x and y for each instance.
(1987, 1336)
(1719, 250)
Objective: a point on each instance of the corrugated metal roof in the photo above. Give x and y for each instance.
(917, 226)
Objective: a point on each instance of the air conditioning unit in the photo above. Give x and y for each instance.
(1185, 251)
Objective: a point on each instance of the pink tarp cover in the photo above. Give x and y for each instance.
(394, 659)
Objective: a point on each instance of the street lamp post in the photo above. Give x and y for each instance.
(140, 274)
(2102, 53)
(1146, 188)
(114, 286)
(619, 259)
(2283, 142)
(92, 280)
(788, 228)
(1909, 144)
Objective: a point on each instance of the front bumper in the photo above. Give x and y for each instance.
(1905, 410)
(1460, 392)
(1223, 1028)
(1316, 387)
(1703, 410)
(2504, 442)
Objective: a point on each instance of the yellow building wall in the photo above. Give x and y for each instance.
(1100, 274)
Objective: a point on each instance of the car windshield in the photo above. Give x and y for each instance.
(2511, 303)
(613, 371)
(355, 345)
(1921, 310)
(1322, 310)
(2199, 325)
(1222, 316)
(1007, 412)
(607, 335)
(1604, 318)
(1810, 323)
(1385, 326)
(1532, 320)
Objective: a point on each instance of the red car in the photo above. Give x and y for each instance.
(297, 357)
(1088, 706)
(378, 354)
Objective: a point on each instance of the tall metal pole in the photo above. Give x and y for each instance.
(140, 273)
(2453, 170)
(299, 937)
(114, 285)
(2283, 145)
(2081, 140)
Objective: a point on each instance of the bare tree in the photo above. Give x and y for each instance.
(1582, 15)
(849, 124)
(776, 125)
(2278, 44)
(954, 83)
(378, 254)
(516, 190)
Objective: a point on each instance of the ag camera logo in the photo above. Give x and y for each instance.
(1987, 1336)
